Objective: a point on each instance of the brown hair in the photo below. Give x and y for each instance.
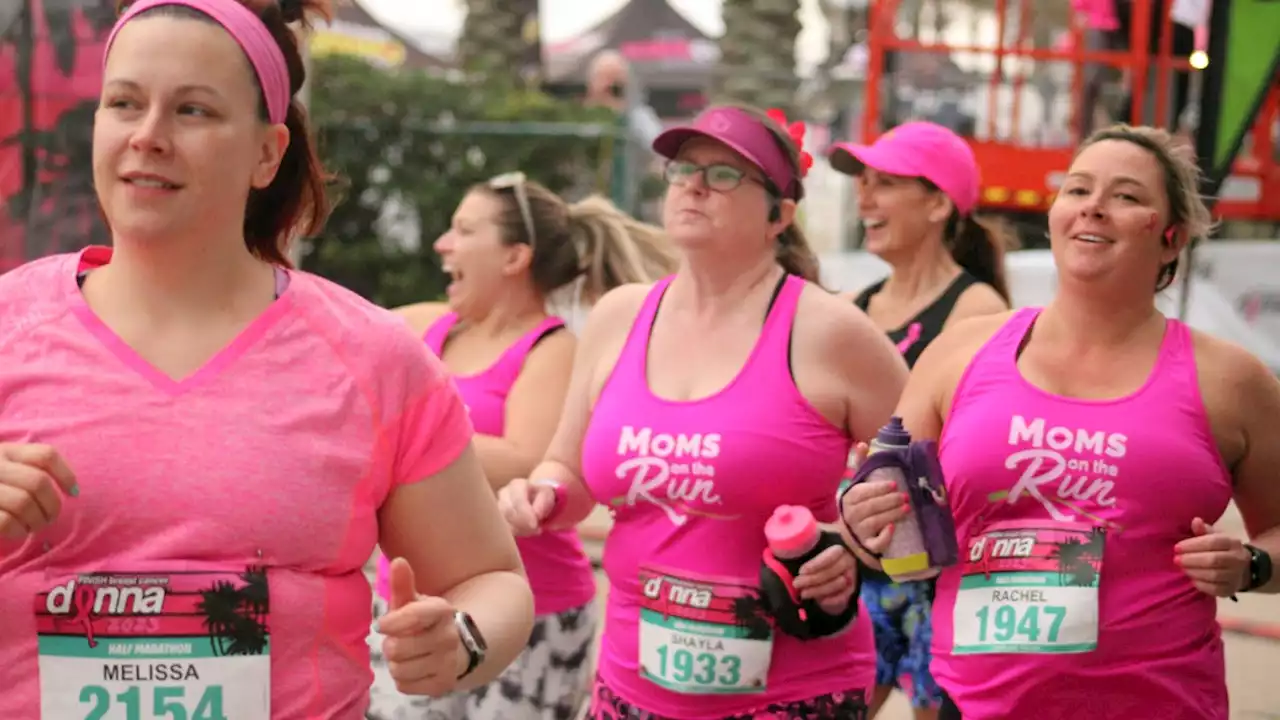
(591, 237)
(978, 243)
(295, 202)
(794, 254)
(1188, 214)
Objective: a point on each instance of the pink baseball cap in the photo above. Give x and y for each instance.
(744, 134)
(917, 149)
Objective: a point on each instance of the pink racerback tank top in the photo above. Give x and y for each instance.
(1067, 602)
(692, 485)
(559, 571)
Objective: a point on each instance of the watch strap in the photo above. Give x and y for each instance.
(470, 643)
(1260, 568)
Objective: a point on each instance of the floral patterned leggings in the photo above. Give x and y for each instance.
(848, 705)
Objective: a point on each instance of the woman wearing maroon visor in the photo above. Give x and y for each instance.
(698, 406)
(917, 188)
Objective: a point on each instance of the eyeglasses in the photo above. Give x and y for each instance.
(515, 182)
(718, 177)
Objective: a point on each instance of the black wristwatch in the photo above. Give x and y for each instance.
(472, 641)
(1259, 568)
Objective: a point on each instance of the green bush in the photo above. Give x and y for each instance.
(415, 143)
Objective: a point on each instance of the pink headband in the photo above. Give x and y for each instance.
(248, 30)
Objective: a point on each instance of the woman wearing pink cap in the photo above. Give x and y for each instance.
(513, 243)
(1088, 447)
(698, 406)
(917, 190)
(199, 447)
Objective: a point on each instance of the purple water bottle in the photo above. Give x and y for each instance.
(907, 557)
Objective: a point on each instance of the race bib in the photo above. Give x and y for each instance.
(188, 645)
(703, 637)
(1030, 588)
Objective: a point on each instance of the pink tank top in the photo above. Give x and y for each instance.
(692, 485)
(1067, 602)
(559, 571)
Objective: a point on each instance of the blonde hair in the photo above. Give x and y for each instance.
(1188, 214)
(615, 248)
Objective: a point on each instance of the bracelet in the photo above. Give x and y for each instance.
(561, 494)
(852, 535)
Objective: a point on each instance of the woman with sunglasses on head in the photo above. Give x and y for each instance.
(917, 189)
(698, 406)
(200, 447)
(1089, 446)
(511, 245)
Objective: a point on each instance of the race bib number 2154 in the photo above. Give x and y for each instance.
(183, 645)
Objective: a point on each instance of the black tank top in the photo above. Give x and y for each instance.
(919, 331)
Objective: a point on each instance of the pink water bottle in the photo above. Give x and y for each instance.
(793, 537)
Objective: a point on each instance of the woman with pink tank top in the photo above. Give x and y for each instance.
(917, 191)
(513, 243)
(1089, 447)
(698, 406)
(200, 447)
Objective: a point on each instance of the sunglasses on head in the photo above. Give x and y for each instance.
(515, 182)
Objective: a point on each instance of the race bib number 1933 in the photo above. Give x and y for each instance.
(702, 637)
(1030, 588)
(183, 645)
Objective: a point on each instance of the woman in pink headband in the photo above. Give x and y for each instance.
(200, 447)
(698, 406)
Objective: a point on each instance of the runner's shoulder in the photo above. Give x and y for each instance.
(956, 345)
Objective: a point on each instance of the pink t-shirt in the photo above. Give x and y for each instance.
(246, 492)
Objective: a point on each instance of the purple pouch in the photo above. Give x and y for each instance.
(928, 494)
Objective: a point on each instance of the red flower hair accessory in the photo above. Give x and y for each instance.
(796, 131)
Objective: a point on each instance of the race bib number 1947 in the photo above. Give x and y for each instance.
(185, 645)
(1030, 588)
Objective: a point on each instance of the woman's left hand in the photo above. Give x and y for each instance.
(420, 640)
(828, 579)
(1215, 562)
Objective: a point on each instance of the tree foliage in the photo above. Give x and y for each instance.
(406, 147)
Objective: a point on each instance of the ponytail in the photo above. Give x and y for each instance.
(795, 256)
(614, 248)
(978, 245)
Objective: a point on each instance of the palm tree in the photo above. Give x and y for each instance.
(235, 617)
(750, 614)
(758, 53)
(500, 41)
(1067, 553)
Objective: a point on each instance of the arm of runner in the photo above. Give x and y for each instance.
(554, 494)
(1257, 474)
(439, 523)
(447, 526)
(532, 410)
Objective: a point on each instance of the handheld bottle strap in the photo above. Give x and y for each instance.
(873, 463)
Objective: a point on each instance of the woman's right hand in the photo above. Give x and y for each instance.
(527, 505)
(870, 508)
(30, 478)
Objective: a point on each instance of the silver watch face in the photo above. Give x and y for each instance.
(470, 634)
